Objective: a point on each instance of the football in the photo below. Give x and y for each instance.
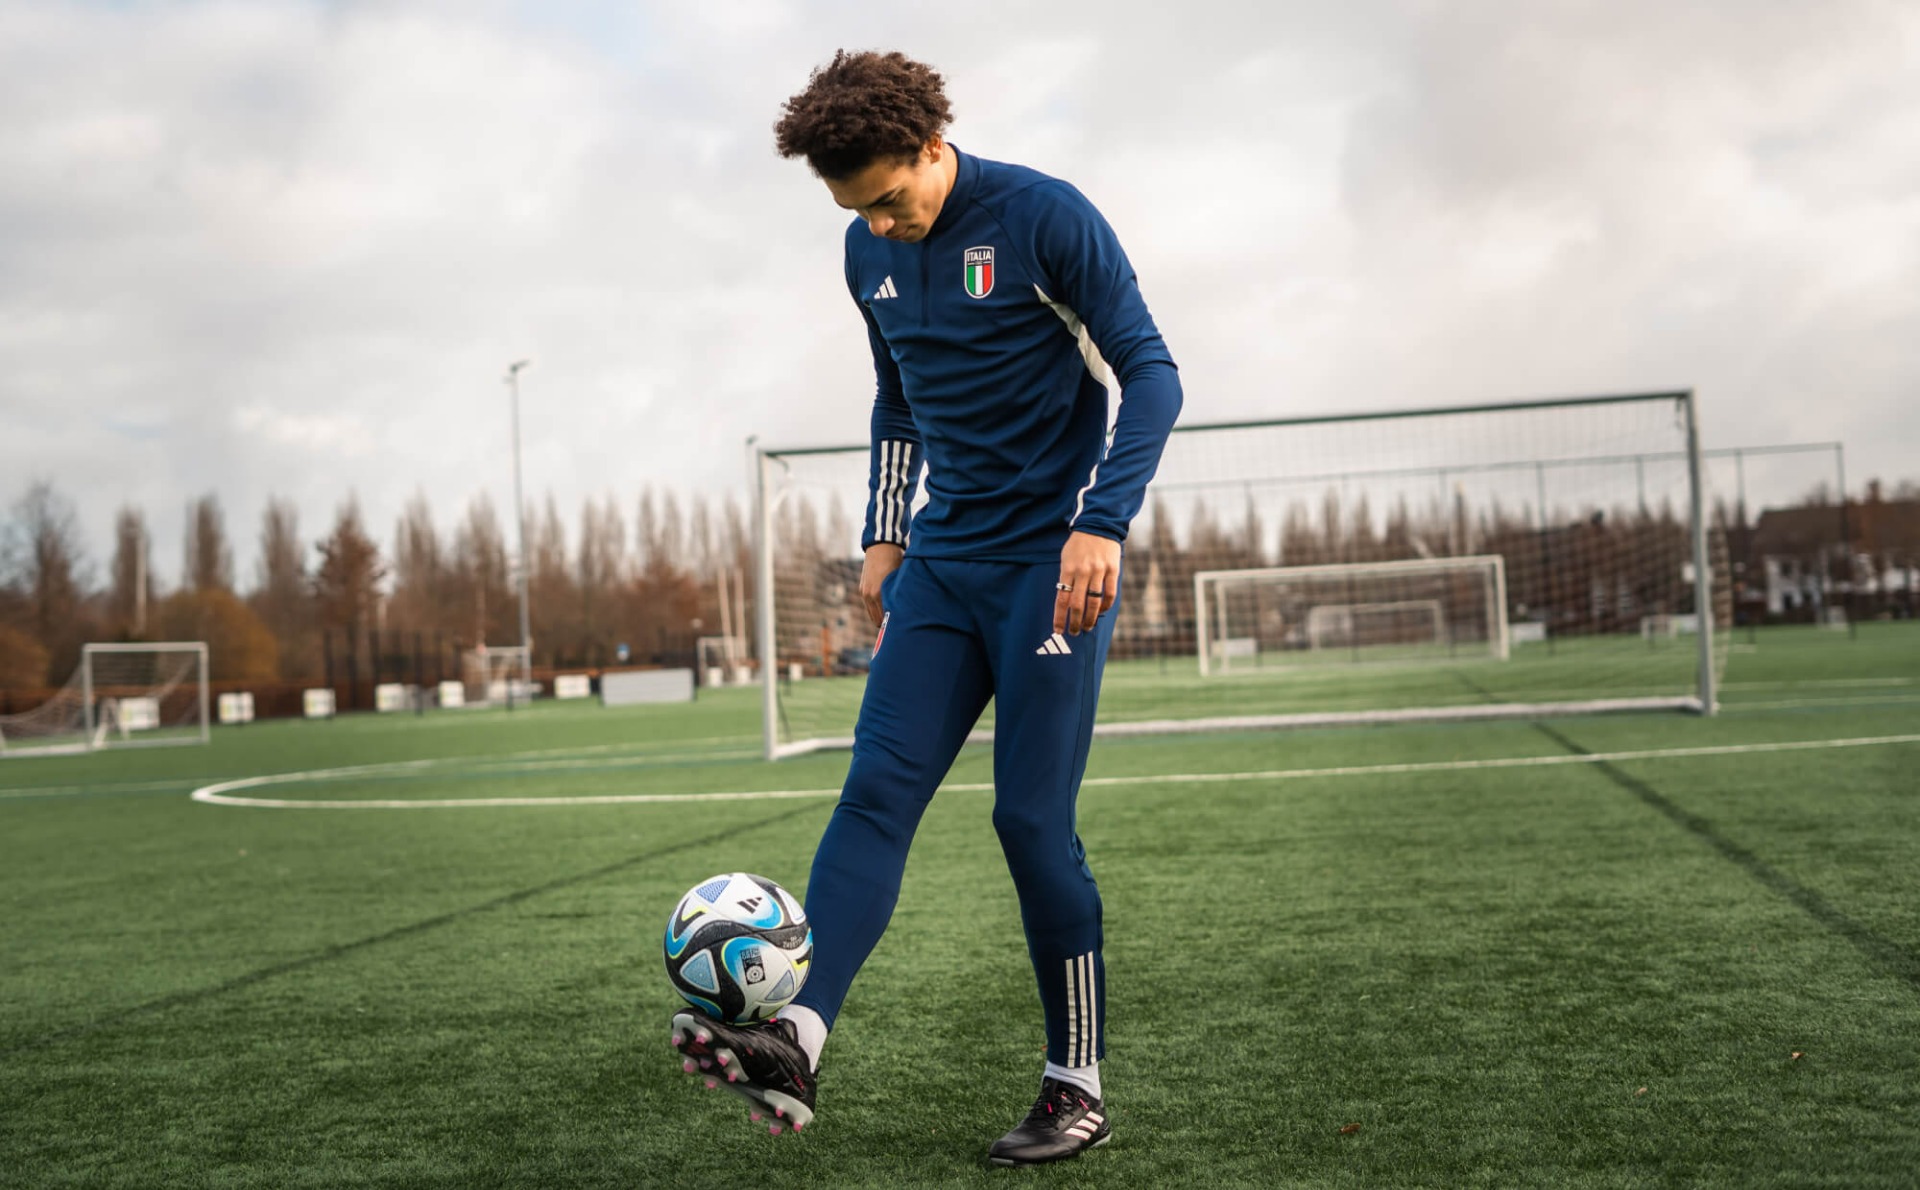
(738, 947)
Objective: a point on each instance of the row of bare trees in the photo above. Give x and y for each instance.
(647, 580)
(649, 575)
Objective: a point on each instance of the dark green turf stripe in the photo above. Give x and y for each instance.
(344, 949)
(1884, 953)
(1484, 694)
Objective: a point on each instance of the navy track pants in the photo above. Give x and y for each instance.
(958, 633)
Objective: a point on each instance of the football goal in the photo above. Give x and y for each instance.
(120, 696)
(1439, 609)
(1493, 560)
(497, 675)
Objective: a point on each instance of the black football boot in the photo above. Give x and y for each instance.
(762, 1064)
(1065, 1122)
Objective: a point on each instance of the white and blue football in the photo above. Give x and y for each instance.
(738, 947)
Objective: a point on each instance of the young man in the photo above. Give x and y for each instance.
(998, 305)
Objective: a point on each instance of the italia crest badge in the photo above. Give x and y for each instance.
(979, 272)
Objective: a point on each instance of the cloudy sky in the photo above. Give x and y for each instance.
(265, 247)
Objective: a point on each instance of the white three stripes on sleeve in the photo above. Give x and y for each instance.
(890, 495)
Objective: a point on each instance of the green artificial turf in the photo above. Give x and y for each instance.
(1569, 974)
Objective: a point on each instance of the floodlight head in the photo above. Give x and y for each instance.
(513, 369)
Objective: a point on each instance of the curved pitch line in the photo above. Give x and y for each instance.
(221, 794)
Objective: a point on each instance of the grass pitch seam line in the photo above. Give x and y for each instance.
(178, 999)
(1818, 683)
(222, 794)
(24, 792)
(1883, 953)
(1794, 704)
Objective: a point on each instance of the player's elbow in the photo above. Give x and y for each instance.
(1155, 384)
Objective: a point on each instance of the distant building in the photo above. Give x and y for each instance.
(1863, 556)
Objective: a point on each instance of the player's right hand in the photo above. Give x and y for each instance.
(882, 560)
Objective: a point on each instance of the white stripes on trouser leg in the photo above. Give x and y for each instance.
(1083, 1017)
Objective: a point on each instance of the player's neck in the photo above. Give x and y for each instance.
(949, 174)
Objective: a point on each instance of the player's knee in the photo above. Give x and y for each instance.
(887, 807)
(1027, 832)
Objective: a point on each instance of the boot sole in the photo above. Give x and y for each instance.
(1008, 1162)
(785, 1109)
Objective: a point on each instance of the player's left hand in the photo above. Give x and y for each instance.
(1089, 582)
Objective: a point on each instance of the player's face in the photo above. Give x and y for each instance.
(898, 199)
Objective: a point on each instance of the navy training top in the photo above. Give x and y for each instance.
(994, 339)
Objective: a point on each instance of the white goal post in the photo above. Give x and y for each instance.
(1547, 533)
(120, 696)
(1439, 609)
(497, 675)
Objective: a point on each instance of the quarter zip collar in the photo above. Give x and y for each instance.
(966, 176)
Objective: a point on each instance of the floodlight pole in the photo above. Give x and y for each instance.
(520, 522)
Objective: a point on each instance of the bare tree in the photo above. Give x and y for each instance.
(660, 535)
(735, 539)
(43, 559)
(699, 543)
(646, 531)
(554, 597)
(209, 561)
(346, 585)
(600, 572)
(421, 579)
(282, 596)
(130, 597)
(1299, 540)
(482, 598)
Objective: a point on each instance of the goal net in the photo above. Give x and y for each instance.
(1477, 561)
(722, 660)
(497, 675)
(1442, 609)
(120, 695)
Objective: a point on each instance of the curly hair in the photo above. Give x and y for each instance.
(861, 108)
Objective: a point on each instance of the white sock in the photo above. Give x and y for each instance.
(1087, 1077)
(811, 1029)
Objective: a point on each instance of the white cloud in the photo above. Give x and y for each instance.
(289, 248)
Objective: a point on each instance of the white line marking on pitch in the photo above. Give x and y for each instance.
(626, 755)
(221, 794)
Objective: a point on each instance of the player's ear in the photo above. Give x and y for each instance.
(933, 150)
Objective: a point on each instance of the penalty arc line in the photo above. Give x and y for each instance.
(546, 759)
(222, 794)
